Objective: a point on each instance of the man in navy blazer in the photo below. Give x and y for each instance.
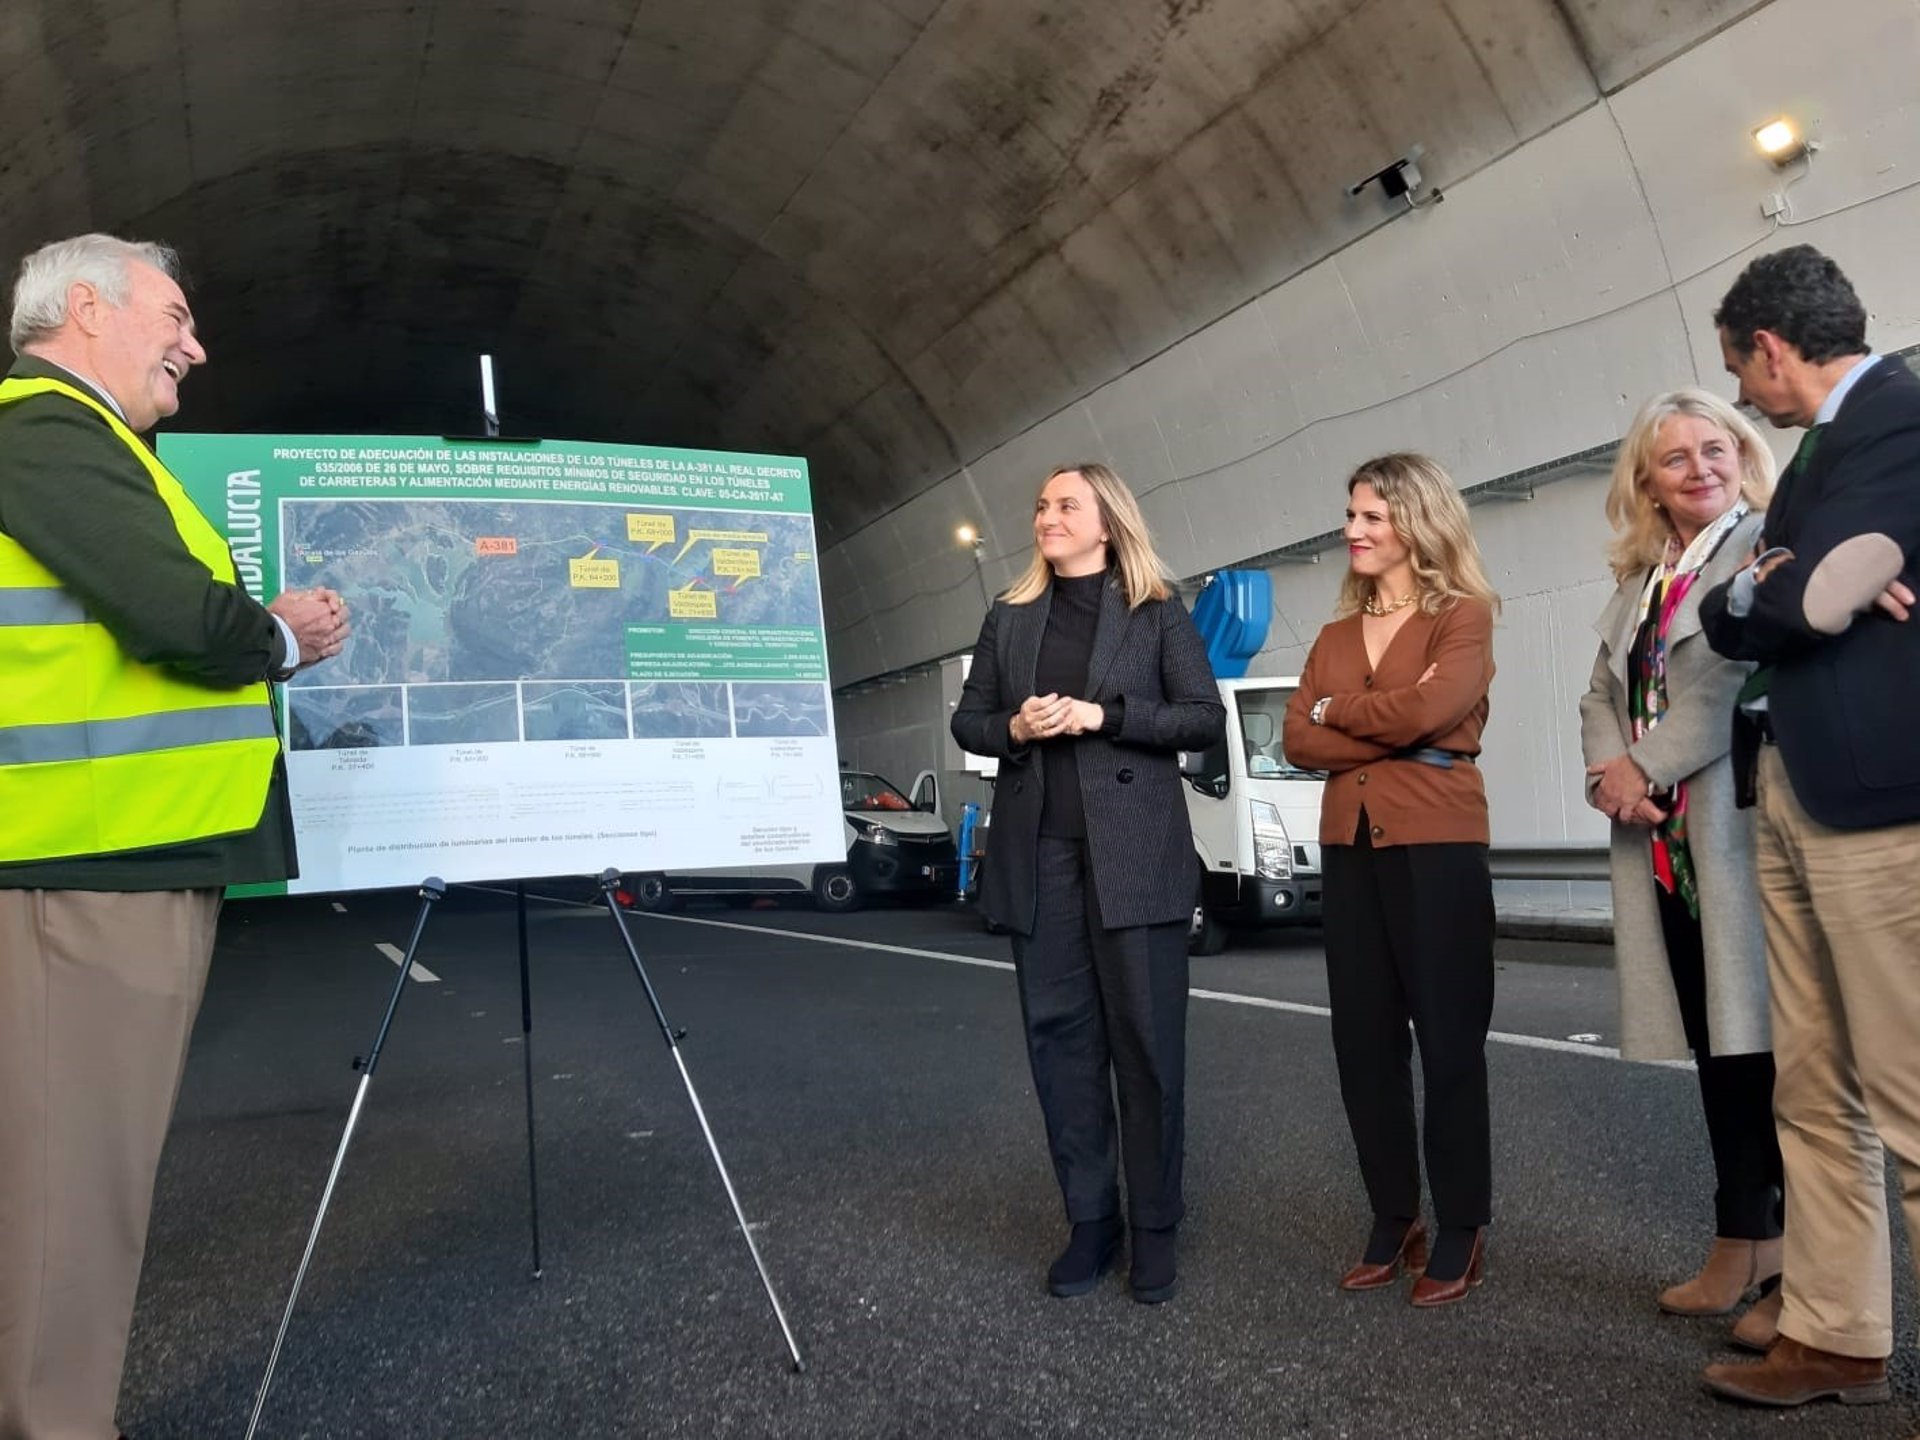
(1833, 761)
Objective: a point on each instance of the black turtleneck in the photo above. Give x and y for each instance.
(1066, 646)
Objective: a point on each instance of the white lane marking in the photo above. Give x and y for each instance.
(803, 935)
(397, 956)
(1225, 997)
(338, 908)
(1497, 1037)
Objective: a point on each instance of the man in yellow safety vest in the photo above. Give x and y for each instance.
(140, 774)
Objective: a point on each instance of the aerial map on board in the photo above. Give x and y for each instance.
(472, 590)
(564, 655)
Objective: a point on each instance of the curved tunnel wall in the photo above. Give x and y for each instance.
(937, 245)
(1522, 320)
(887, 234)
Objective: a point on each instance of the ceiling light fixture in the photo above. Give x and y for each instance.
(1781, 142)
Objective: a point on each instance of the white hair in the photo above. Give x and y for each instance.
(40, 292)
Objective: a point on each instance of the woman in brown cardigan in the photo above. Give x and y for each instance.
(1391, 704)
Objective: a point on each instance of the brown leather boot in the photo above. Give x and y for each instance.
(1793, 1374)
(1734, 1268)
(1759, 1327)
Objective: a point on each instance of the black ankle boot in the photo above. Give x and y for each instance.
(1153, 1277)
(1089, 1254)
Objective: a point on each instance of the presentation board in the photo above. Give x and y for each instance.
(565, 655)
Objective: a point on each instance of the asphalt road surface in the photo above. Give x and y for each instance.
(865, 1078)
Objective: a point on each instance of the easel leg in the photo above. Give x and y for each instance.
(526, 1057)
(609, 882)
(431, 889)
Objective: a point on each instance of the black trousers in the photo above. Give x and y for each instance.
(1736, 1091)
(1409, 931)
(1105, 1012)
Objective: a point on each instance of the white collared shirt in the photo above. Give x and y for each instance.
(1830, 406)
(100, 392)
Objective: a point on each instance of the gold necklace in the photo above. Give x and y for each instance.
(1373, 606)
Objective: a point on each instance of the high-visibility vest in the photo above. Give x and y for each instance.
(101, 753)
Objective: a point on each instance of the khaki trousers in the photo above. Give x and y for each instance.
(1843, 958)
(98, 994)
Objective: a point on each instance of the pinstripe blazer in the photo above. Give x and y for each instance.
(1139, 845)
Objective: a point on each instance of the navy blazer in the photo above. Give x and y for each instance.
(1842, 706)
(1139, 845)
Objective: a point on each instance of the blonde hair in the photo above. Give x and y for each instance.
(1430, 518)
(1641, 527)
(1143, 574)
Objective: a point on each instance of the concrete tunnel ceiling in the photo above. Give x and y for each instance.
(884, 234)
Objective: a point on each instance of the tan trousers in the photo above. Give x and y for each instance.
(1843, 959)
(97, 998)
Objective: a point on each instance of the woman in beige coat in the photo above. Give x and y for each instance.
(1689, 485)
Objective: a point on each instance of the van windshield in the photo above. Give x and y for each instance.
(1262, 718)
(862, 791)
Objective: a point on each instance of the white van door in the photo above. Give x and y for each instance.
(925, 795)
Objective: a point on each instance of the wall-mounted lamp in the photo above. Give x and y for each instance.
(968, 536)
(1781, 142)
(1400, 181)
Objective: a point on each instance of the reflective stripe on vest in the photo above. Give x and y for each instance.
(101, 753)
(48, 606)
(96, 739)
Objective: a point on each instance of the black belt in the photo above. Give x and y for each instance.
(1434, 755)
(1763, 726)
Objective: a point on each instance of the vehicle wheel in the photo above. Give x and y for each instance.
(650, 893)
(1206, 936)
(834, 890)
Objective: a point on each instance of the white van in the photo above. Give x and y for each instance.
(1256, 820)
(896, 845)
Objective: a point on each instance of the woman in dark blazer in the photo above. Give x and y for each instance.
(1391, 704)
(1087, 678)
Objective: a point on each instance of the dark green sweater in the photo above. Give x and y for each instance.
(84, 507)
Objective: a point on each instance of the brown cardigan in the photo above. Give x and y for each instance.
(1373, 714)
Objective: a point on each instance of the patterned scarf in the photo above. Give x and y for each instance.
(1667, 586)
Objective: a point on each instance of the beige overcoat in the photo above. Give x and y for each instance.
(1690, 743)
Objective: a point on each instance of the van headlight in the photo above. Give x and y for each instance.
(1272, 851)
(874, 833)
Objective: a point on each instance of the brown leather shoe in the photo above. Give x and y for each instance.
(1734, 1269)
(1412, 1254)
(1759, 1327)
(1792, 1374)
(1428, 1292)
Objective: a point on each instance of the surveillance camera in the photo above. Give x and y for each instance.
(1401, 178)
